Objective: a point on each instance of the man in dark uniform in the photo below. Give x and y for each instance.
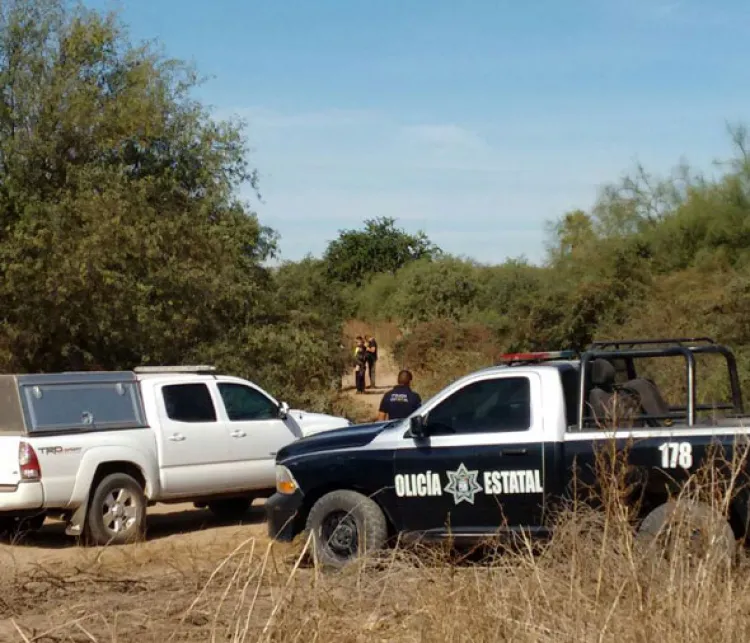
(400, 401)
(372, 357)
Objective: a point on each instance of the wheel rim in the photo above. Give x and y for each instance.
(119, 511)
(699, 538)
(340, 533)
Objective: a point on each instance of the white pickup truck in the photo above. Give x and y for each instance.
(97, 448)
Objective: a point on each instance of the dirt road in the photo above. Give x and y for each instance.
(52, 589)
(169, 526)
(385, 378)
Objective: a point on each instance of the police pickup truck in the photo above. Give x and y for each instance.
(498, 449)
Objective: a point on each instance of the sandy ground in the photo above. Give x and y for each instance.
(53, 589)
(169, 526)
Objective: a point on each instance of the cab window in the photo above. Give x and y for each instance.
(492, 405)
(243, 403)
(188, 403)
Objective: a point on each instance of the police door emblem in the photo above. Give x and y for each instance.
(462, 484)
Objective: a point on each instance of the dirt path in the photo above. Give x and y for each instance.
(49, 583)
(385, 377)
(170, 528)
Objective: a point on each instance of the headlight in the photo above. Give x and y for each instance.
(285, 482)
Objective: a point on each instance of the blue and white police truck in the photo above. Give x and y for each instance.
(497, 450)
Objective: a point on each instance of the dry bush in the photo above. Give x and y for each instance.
(429, 340)
(352, 409)
(441, 351)
(386, 333)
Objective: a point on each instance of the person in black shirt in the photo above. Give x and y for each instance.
(372, 357)
(360, 362)
(400, 401)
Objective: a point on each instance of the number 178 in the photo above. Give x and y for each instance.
(676, 453)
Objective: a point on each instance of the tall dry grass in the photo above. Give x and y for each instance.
(587, 584)
(593, 580)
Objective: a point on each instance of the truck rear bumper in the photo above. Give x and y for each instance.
(20, 499)
(281, 514)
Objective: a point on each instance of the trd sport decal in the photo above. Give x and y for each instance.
(463, 484)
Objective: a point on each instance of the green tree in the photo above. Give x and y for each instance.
(570, 235)
(122, 239)
(356, 255)
(444, 288)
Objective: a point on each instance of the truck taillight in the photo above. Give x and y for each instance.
(29, 463)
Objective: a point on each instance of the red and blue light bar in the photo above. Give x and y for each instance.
(542, 356)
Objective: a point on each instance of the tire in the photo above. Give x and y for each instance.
(344, 525)
(117, 511)
(230, 508)
(705, 533)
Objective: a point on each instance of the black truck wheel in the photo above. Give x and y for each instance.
(704, 532)
(230, 508)
(344, 525)
(117, 511)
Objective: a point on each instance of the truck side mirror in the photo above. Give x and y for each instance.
(283, 410)
(418, 426)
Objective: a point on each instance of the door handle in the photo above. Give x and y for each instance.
(177, 437)
(514, 452)
(238, 434)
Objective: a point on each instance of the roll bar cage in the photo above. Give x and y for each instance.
(687, 347)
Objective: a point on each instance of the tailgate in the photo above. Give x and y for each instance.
(10, 472)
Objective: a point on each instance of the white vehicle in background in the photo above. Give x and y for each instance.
(96, 448)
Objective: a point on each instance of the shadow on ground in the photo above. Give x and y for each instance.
(160, 525)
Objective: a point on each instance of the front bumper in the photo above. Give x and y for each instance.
(281, 515)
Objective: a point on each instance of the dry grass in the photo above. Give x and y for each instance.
(585, 585)
(591, 581)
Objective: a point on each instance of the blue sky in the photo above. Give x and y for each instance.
(475, 121)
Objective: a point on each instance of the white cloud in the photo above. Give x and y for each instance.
(260, 117)
(665, 9)
(446, 136)
(683, 13)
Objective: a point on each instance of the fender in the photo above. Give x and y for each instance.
(90, 462)
(96, 456)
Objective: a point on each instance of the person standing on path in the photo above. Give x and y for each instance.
(360, 363)
(372, 357)
(400, 401)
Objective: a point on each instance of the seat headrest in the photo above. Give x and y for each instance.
(602, 372)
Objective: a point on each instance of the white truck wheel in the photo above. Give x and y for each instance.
(117, 511)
